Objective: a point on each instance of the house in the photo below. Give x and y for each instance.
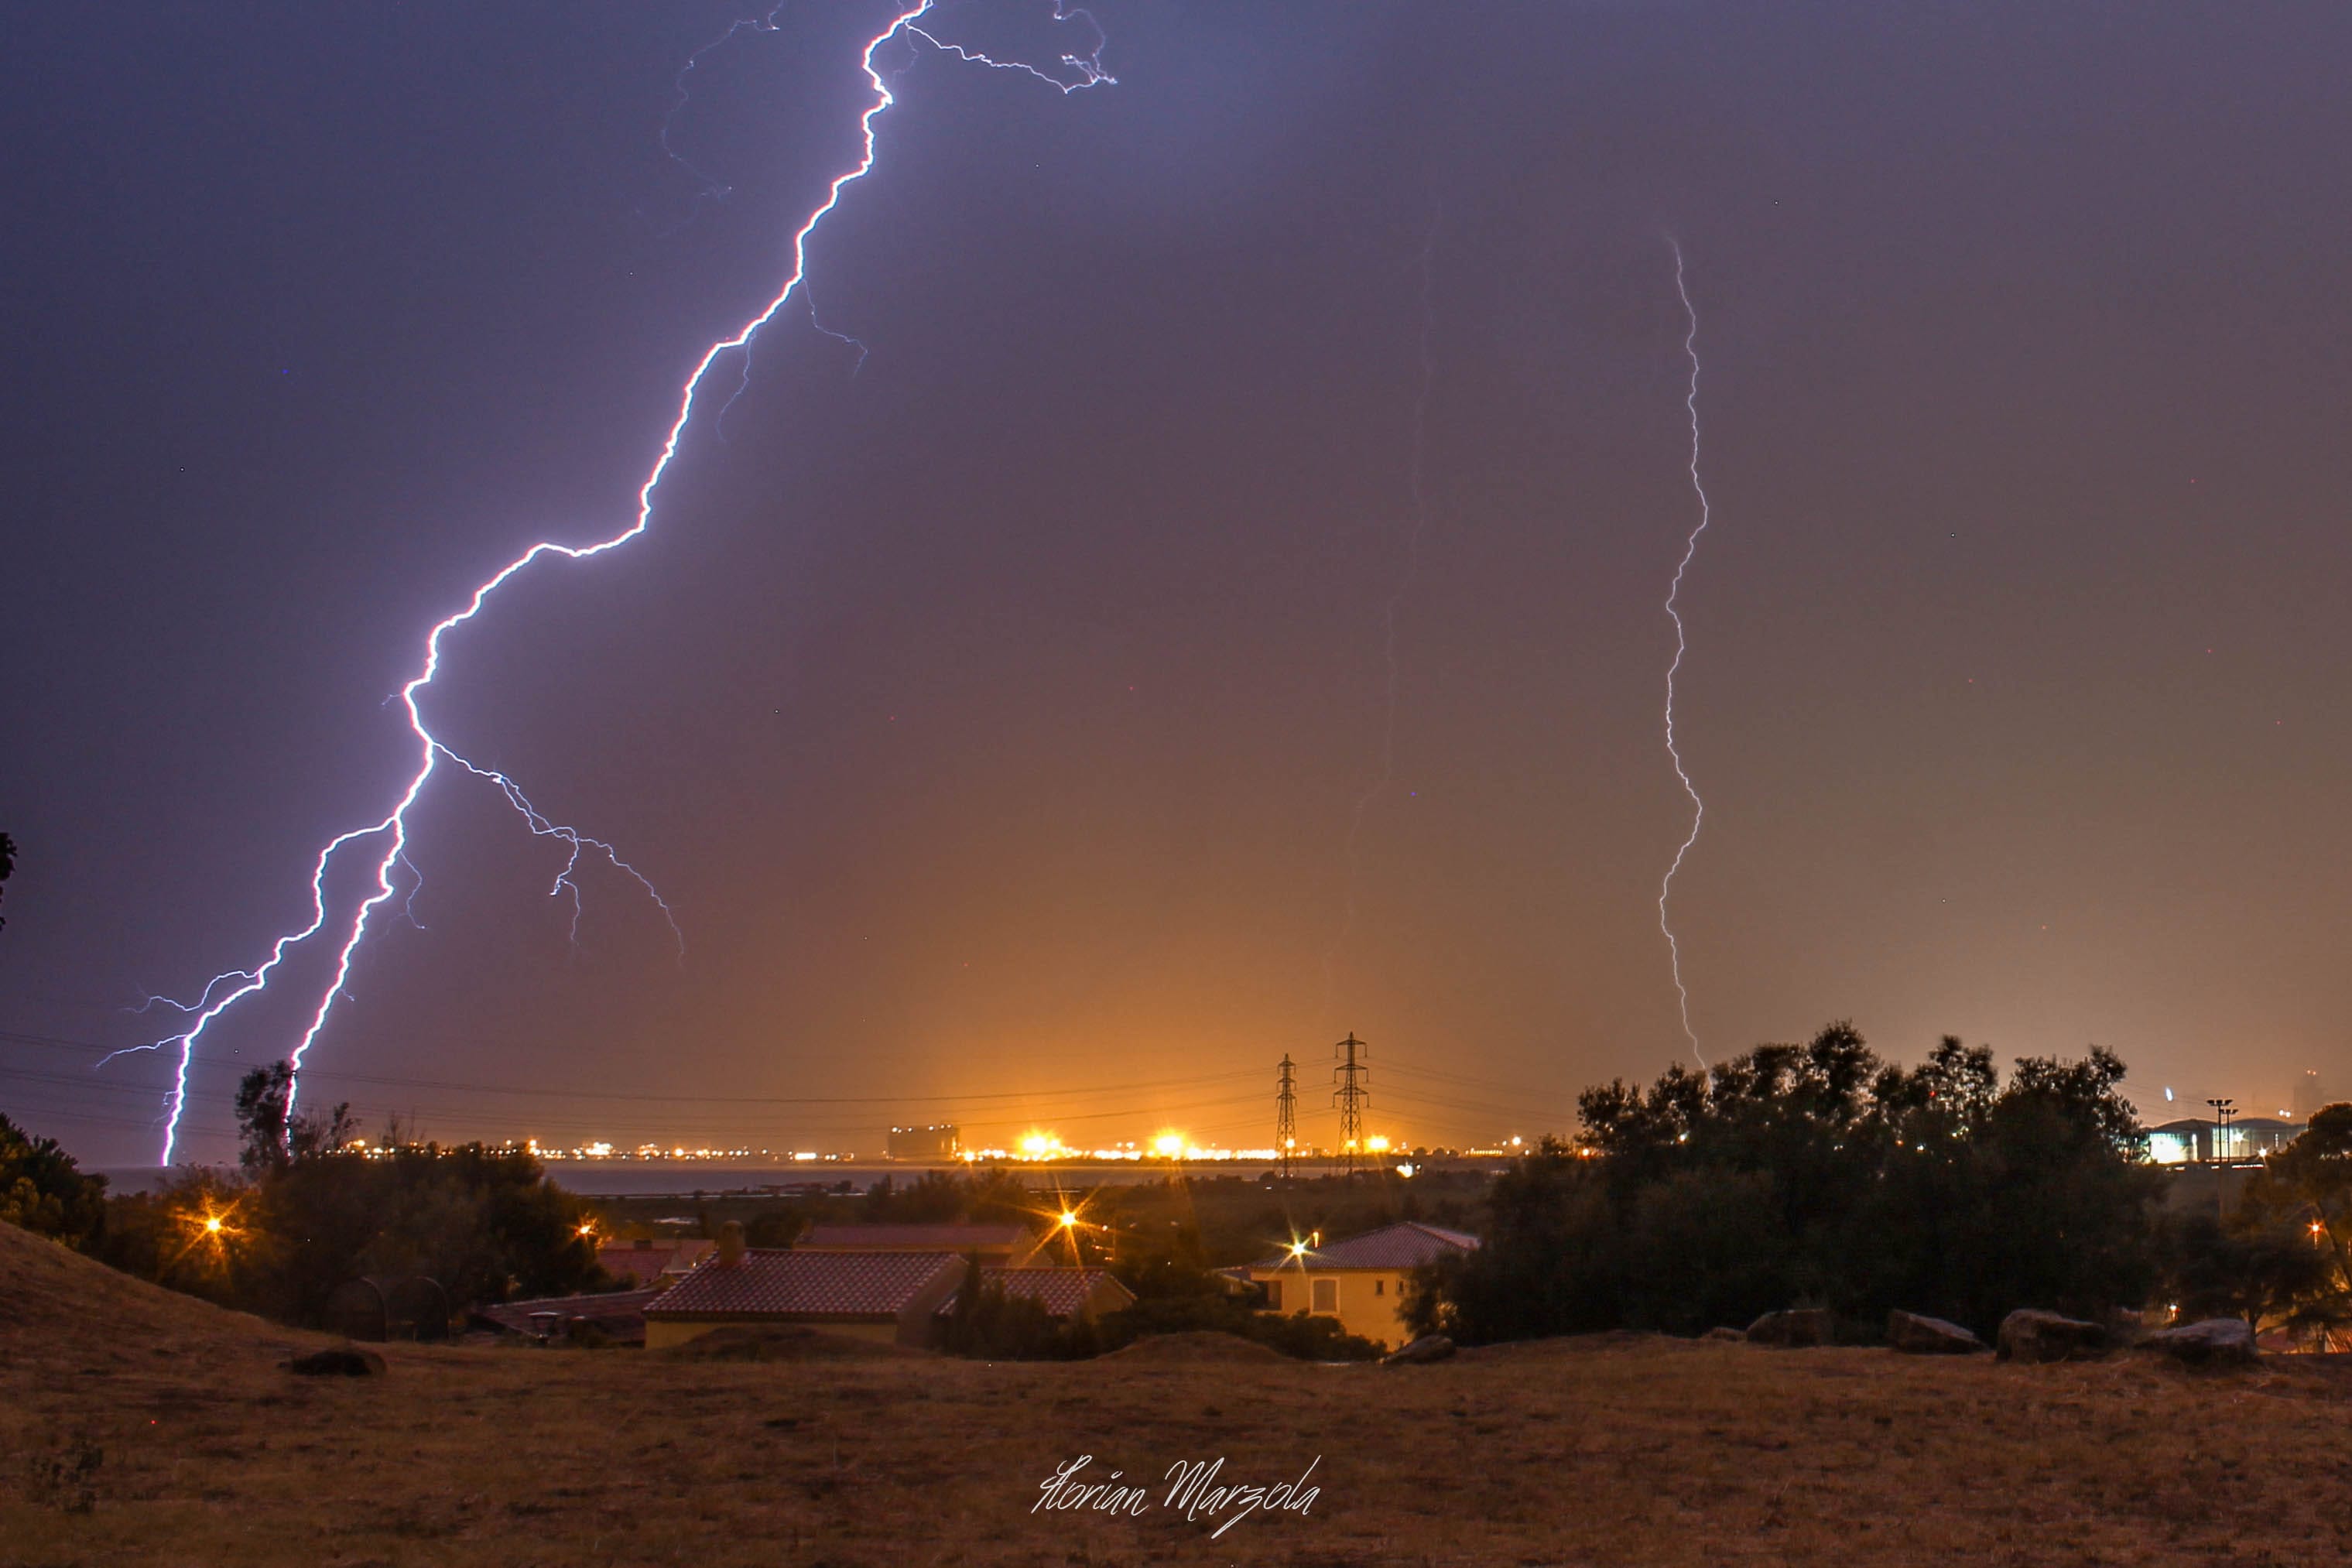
(1003, 1244)
(1085, 1294)
(1361, 1280)
(884, 1296)
(618, 1315)
(648, 1262)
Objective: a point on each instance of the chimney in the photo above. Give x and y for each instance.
(730, 1243)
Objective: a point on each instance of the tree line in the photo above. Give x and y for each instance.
(1819, 1174)
(307, 1211)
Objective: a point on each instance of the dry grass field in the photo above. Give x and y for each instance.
(1607, 1451)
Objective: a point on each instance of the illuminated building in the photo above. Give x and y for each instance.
(942, 1140)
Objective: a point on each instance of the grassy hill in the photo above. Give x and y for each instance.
(1613, 1450)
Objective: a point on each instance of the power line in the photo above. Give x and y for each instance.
(341, 1076)
(1286, 1116)
(1353, 1098)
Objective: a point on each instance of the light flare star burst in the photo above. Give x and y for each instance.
(391, 831)
(1681, 647)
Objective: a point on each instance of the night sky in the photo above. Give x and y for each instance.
(994, 713)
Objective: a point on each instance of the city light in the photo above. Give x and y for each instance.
(1377, 1146)
(1169, 1145)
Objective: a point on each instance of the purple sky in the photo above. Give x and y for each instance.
(994, 713)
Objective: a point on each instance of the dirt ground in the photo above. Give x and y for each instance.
(1575, 1451)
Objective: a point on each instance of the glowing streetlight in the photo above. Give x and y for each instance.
(1169, 1145)
(213, 1225)
(1069, 1220)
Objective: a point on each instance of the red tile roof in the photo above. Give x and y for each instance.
(1406, 1246)
(1061, 1291)
(914, 1238)
(796, 1284)
(646, 1261)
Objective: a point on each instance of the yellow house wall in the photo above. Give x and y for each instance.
(1370, 1300)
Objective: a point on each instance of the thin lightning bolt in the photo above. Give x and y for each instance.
(1088, 66)
(1416, 466)
(713, 189)
(542, 827)
(1681, 645)
(392, 829)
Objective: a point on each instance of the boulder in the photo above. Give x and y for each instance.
(1797, 1326)
(2213, 1342)
(1428, 1347)
(1725, 1336)
(1915, 1335)
(349, 1361)
(2032, 1335)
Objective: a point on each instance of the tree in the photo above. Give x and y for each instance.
(2282, 1260)
(44, 1191)
(986, 1323)
(269, 1136)
(311, 1213)
(7, 864)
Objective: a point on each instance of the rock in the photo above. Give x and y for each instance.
(1726, 1336)
(1915, 1335)
(2031, 1335)
(2214, 1341)
(349, 1361)
(1428, 1347)
(1797, 1326)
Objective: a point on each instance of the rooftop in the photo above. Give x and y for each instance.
(801, 1284)
(1061, 1291)
(955, 1238)
(1405, 1245)
(646, 1261)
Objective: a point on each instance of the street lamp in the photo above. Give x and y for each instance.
(2221, 1109)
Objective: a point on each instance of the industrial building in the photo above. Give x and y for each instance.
(941, 1140)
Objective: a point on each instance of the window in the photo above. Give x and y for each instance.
(1327, 1295)
(1380, 1286)
(1274, 1295)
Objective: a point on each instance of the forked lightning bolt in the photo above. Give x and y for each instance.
(391, 831)
(1682, 646)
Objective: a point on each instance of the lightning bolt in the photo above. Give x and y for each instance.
(1682, 646)
(712, 188)
(390, 833)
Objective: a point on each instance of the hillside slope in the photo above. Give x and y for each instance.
(64, 1316)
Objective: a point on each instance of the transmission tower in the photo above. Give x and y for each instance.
(1285, 1118)
(1353, 1097)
